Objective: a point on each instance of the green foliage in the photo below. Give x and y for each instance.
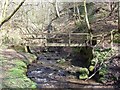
(91, 68)
(102, 72)
(83, 73)
(102, 79)
(102, 55)
(93, 61)
(99, 57)
(93, 64)
(116, 38)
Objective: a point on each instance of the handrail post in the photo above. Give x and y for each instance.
(69, 38)
(112, 39)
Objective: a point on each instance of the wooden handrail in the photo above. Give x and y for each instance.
(57, 33)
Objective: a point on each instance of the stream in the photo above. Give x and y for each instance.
(53, 70)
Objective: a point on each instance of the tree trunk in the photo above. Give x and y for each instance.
(119, 18)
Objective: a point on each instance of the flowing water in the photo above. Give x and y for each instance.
(54, 70)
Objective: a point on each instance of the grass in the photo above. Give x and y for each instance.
(16, 77)
(15, 72)
(20, 64)
(23, 82)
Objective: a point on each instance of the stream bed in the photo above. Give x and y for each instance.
(54, 70)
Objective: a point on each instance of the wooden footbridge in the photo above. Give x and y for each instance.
(60, 39)
(56, 39)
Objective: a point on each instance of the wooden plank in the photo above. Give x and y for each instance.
(63, 45)
(29, 38)
(56, 45)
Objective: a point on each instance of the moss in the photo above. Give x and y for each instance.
(16, 76)
(15, 72)
(23, 82)
(20, 64)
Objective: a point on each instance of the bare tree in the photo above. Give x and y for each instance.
(5, 4)
(12, 14)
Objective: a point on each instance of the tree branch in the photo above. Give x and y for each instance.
(12, 14)
(86, 16)
(56, 7)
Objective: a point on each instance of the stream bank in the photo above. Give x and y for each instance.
(14, 67)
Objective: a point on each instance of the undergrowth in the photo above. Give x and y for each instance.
(97, 65)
